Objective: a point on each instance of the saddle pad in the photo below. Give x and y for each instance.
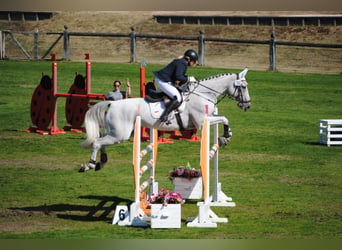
(157, 109)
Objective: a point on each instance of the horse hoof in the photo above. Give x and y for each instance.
(104, 158)
(85, 168)
(98, 167)
(82, 170)
(223, 141)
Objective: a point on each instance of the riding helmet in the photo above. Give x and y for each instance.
(191, 54)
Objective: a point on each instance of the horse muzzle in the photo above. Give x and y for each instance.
(244, 105)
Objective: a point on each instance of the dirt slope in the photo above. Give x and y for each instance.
(160, 51)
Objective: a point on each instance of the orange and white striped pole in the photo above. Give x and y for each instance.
(136, 157)
(205, 158)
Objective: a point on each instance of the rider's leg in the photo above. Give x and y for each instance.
(173, 94)
(171, 106)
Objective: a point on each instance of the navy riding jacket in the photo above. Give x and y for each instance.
(174, 71)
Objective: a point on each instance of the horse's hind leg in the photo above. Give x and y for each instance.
(90, 165)
(92, 162)
(103, 159)
(100, 144)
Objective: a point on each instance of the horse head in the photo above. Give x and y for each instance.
(239, 91)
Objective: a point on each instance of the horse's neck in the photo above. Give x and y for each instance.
(216, 85)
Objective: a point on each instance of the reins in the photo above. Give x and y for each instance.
(202, 95)
(221, 95)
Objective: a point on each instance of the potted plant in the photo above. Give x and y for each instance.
(166, 209)
(187, 181)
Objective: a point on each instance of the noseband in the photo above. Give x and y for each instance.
(237, 95)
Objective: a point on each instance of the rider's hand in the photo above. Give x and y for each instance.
(192, 79)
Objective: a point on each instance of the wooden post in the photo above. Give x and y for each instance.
(272, 53)
(66, 44)
(201, 48)
(35, 44)
(133, 45)
(2, 45)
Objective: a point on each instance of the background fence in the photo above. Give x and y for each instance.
(134, 47)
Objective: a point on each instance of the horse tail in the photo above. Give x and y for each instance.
(95, 123)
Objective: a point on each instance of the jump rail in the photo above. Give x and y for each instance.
(138, 214)
(206, 217)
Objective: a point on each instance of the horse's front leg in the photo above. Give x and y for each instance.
(227, 133)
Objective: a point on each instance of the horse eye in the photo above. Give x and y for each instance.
(244, 84)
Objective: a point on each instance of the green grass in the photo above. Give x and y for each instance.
(284, 183)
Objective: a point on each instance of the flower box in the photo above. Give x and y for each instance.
(188, 188)
(165, 215)
(187, 182)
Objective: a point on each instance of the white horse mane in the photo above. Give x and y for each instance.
(215, 76)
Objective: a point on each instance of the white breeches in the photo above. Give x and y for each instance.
(168, 89)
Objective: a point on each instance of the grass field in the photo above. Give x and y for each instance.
(284, 183)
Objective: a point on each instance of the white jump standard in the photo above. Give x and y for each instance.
(136, 215)
(330, 132)
(206, 217)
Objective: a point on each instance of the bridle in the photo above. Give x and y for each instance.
(237, 94)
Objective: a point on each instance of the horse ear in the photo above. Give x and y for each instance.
(243, 73)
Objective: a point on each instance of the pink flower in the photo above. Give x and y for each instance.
(185, 172)
(164, 196)
(153, 198)
(162, 192)
(180, 170)
(174, 198)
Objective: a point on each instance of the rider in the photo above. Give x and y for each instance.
(174, 74)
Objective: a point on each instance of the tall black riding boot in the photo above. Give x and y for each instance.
(172, 105)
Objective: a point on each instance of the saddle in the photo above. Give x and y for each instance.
(154, 96)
